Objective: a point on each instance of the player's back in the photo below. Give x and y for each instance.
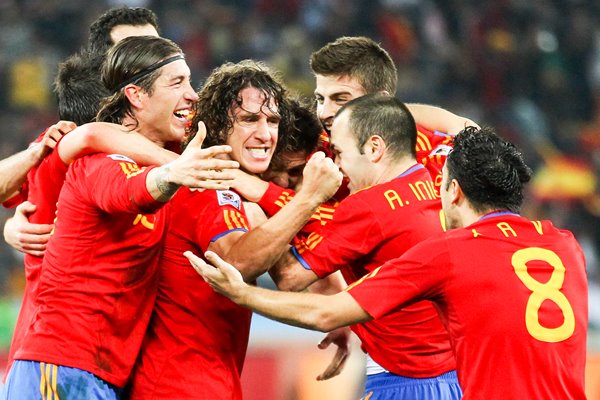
(516, 306)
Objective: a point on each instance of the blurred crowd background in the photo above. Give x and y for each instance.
(530, 68)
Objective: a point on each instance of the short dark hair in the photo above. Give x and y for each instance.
(386, 116)
(360, 58)
(100, 41)
(78, 88)
(123, 62)
(490, 170)
(222, 90)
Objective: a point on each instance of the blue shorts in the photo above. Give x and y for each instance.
(388, 386)
(33, 380)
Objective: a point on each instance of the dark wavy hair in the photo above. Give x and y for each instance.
(490, 170)
(221, 92)
(360, 58)
(127, 58)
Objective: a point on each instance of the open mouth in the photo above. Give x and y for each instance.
(258, 152)
(184, 114)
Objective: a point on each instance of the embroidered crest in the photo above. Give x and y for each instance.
(229, 197)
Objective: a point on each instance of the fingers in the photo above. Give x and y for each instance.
(199, 137)
(56, 131)
(197, 263)
(25, 208)
(336, 366)
(214, 151)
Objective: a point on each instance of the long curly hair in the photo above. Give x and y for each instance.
(221, 92)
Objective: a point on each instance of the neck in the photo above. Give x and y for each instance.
(393, 169)
(139, 128)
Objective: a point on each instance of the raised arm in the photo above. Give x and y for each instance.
(438, 119)
(15, 168)
(104, 137)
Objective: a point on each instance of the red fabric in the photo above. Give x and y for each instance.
(484, 279)
(197, 339)
(99, 274)
(369, 228)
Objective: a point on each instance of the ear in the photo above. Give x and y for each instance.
(375, 148)
(456, 193)
(384, 92)
(134, 95)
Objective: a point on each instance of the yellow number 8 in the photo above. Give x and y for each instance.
(544, 291)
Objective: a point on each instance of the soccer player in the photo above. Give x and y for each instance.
(99, 273)
(79, 95)
(196, 341)
(392, 206)
(351, 67)
(512, 292)
(345, 69)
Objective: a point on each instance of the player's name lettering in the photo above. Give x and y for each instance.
(507, 230)
(422, 191)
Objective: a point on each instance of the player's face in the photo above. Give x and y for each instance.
(450, 215)
(287, 171)
(331, 93)
(354, 165)
(165, 115)
(120, 32)
(254, 134)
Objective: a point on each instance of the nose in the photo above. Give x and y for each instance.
(263, 130)
(190, 93)
(326, 110)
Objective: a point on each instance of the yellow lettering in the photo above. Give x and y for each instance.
(392, 198)
(506, 228)
(475, 233)
(538, 227)
(144, 220)
(422, 191)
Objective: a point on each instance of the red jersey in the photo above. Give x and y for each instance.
(45, 182)
(369, 228)
(432, 150)
(513, 295)
(197, 339)
(99, 274)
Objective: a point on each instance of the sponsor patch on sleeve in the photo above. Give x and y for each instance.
(226, 197)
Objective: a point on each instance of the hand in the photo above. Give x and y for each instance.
(250, 187)
(223, 277)
(341, 338)
(201, 168)
(321, 178)
(52, 136)
(24, 236)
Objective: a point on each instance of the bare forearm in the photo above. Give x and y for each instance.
(102, 137)
(159, 184)
(305, 310)
(436, 118)
(14, 171)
